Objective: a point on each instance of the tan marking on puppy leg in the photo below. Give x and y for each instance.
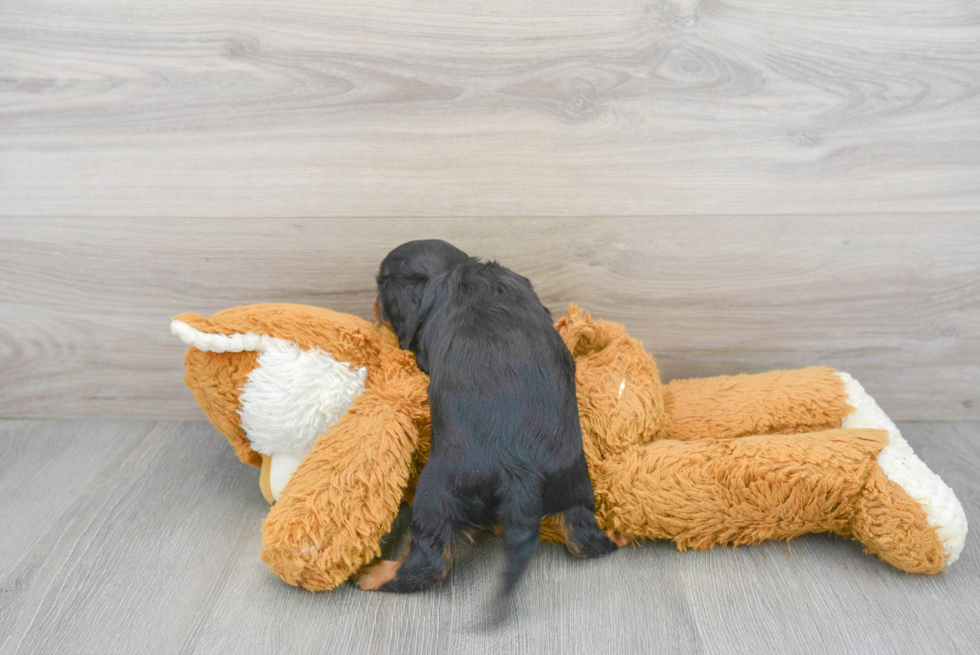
(448, 556)
(378, 574)
(468, 536)
(562, 527)
(550, 531)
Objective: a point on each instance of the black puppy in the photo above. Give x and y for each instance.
(506, 439)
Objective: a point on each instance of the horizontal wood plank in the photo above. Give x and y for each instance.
(282, 108)
(85, 304)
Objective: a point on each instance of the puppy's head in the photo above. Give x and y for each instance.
(404, 274)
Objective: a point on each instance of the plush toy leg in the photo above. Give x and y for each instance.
(747, 490)
(737, 491)
(900, 467)
(344, 496)
(794, 401)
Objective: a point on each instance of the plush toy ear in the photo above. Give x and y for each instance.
(304, 354)
(578, 331)
(209, 335)
(216, 368)
(300, 383)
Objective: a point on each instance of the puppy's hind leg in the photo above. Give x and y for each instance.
(572, 495)
(583, 535)
(425, 565)
(582, 532)
(433, 515)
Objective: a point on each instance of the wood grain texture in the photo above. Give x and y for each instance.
(85, 305)
(302, 108)
(135, 536)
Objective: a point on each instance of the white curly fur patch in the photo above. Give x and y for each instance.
(293, 396)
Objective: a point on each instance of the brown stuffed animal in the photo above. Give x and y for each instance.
(336, 415)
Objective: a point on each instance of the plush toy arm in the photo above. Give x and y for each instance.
(344, 496)
(777, 402)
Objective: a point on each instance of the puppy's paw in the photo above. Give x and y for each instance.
(599, 546)
(377, 575)
(594, 544)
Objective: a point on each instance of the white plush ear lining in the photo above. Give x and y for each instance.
(903, 467)
(220, 343)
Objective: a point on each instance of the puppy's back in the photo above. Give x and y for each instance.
(500, 372)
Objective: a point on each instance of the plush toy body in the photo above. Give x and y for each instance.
(337, 417)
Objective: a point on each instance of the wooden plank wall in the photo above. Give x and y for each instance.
(745, 184)
(85, 304)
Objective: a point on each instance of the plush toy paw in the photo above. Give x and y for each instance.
(895, 527)
(907, 515)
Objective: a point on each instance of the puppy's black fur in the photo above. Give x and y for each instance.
(506, 439)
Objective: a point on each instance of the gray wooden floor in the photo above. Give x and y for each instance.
(143, 536)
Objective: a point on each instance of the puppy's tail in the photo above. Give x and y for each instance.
(521, 523)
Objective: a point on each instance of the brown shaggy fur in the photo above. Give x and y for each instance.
(727, 460)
